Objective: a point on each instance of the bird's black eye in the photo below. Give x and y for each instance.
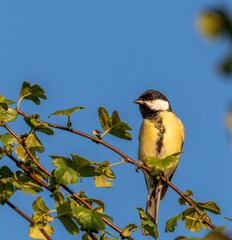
(150, 98)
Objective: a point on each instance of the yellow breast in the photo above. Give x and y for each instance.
(161, 137)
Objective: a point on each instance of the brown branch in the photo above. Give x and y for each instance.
(119, 230)
(26, 217)
(127, 159)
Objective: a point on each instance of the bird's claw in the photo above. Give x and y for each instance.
(138, 165)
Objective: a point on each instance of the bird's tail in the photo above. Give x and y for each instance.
(152, 207)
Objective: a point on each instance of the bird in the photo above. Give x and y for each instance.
(161, 134)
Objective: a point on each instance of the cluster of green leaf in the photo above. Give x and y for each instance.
(193, 222)
(71, 213)
(10, 182)
(113, 125)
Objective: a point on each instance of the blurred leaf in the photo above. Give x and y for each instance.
(148, 225)
(35, 232)
(215, 234)
(90, 220)
(34, 145)
(214, 23)
(67, 112)
(161, 164)
(8, 115)
(226, 65)
(113, 124)
(230, 219)
(32, 93)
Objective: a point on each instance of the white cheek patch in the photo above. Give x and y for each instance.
(158, 105)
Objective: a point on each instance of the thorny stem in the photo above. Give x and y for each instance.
(26, 217)
(119, 230)
(127, 159)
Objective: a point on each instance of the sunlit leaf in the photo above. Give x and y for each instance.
(65, 212)
(8, 115)
(31, 92)
(35, 232)
(148, 225)
(113, 124)
(34, 145)
(162, 164)
(38, 126)
(67, 112)
(90, 220)
(126, 232)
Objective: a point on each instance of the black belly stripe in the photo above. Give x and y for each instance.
(161, 130)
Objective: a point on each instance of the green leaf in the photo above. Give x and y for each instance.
(105, 173)
(148, 225)
(126, 232)
(171, 224)
(2, 153)
(69, 170)
(113, 124)
(67, 112)
(104, 118)
(209, 206)
(33, 93)
(38, 126)
(7, 139)
(162, 164)
(7, 189)
(35, 232)
(84, 167)
(90, 220)
(26, 184)
(8, 115)
(42, 211)
(4, 103)
(65, 212)
(34, 145)
(65, 173)
(100, 181)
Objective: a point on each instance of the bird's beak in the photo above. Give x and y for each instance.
(138, 101)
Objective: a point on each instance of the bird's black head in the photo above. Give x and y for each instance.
(152, 102)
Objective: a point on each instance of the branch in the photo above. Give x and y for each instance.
(127, 159)
(119, 230)
(26, 217)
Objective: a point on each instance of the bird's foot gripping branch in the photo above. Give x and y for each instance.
(78, 213)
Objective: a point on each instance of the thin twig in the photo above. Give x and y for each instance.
(127, 159)
(26, 217)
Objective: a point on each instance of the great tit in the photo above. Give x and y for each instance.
(161, 134)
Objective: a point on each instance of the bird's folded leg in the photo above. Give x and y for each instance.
(138, 165)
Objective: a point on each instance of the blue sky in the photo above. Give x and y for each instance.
(106, 53)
